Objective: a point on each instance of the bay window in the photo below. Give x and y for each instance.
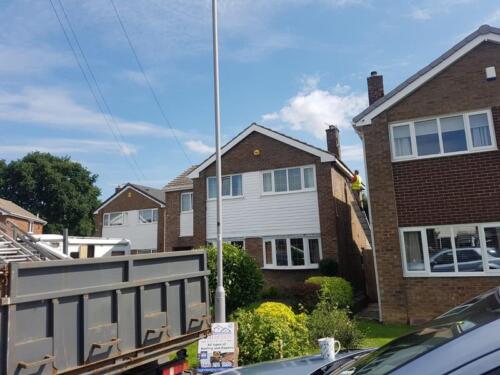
(288, 180)
(292, 252)
(232, 186)
(441, 136)
(451, 250)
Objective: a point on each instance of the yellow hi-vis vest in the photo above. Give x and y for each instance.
(358, 184)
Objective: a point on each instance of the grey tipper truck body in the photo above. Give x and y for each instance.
(100, 315)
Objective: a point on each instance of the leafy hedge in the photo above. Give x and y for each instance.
(328, 322)
(243, 280)
(334, 291)
(270, 331)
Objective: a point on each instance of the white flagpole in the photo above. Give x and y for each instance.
(220, 295)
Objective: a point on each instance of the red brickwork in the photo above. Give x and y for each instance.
(172, 223)
(443, 190)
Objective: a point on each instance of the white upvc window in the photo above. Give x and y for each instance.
(451, 250)
(442, 136)
(187, 202)
(113, 219)
(291, 252)
(232, 186)
(238, 242)
(288, 180)
(148, 216)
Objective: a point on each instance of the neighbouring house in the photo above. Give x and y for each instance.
(134, 212)
(288, 203)
(433, 176)
(23, 219)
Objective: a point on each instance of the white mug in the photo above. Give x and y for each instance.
(327, 347)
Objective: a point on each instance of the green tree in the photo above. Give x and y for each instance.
(61, 191)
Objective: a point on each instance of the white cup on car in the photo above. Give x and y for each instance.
(329, 347)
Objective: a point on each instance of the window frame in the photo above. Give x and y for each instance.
(468, 136)
(192, 202)
(425, 248)
(303, 189)
(289, 266)
(230, 196)
(108, 214)
(152, 216)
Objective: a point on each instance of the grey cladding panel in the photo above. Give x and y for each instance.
(52, 279)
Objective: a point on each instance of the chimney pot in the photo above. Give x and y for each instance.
(333, 140)
(375, 87)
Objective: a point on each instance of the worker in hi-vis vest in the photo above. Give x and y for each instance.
(357, 186)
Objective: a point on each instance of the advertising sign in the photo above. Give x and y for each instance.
(219, 351)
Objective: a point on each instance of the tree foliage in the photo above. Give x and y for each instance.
(243, 280)
(61, 191)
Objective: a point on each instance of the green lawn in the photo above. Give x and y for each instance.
(377, 334)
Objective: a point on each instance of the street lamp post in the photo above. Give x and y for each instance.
(220, 295)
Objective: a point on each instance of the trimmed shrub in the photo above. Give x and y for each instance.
(270, 293)
(327, 322)
(243, 280)
(271, 331)
(328, 267)
(334, 291)
(304, 296)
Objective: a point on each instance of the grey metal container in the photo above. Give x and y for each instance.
(102, 315)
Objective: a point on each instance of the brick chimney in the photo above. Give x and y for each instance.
(333, 140)
(375, 87)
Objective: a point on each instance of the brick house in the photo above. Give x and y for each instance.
(24, 219)
(134, 212)
(286, 202)
(433, 176)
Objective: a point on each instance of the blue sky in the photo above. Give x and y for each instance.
(293, 65)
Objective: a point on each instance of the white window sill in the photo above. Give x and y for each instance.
(265, 194)
(187, 212)
(227, 198)
(290, 268)
(154, 222)
(474, 151)
(451, 274)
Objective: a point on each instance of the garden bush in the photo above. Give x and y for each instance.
(304, 297)
(334, 291)
(243, 280)
(328, 267)
(328, 322)
(270, 331)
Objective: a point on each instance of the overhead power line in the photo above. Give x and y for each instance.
(130, 160)
(146, 79)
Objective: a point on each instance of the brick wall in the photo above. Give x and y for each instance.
(130, 200)
(24, 225)
(273, 155)
(445, 190)
(172, 223)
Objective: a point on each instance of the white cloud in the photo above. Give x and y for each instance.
(494, 18)
(313, 109)
(421, 14)
(69, 146)
(136, 77)
(30, 60)
(199, 147)
(56, 108)
(351, 152)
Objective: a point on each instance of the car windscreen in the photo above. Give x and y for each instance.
(455, 323)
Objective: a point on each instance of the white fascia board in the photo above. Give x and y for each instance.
(162, 205)
(367, 119)
(323, 155)
(179, 188)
